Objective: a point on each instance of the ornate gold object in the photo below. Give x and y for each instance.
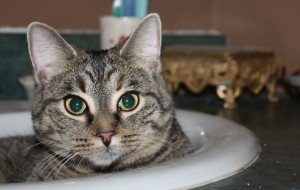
(230, 69)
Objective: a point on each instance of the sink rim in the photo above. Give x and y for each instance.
(224, 141)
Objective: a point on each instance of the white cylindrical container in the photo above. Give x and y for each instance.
(116, 29)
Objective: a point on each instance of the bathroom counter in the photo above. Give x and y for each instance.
(277, 126)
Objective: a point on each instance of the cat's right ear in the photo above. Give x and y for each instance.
(142, 48)
(49, 52)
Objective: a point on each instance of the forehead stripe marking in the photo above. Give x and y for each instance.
(81, 84)
(120, 83)
(110, 72)
(88, 73)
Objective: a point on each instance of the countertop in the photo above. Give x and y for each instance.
(277, 126)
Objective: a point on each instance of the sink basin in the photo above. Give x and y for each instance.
(222, 149)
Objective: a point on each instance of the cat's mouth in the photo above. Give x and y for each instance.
(104, 157)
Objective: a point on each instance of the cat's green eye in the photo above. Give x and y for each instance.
(75, 105)
(128, 101)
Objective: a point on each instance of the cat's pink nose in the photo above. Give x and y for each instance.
(105, 136)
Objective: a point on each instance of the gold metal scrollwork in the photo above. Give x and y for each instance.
(230, 71)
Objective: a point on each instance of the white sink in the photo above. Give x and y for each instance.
(223, 148)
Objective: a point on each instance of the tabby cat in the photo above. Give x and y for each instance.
(95, 112)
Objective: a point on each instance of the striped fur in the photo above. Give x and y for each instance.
(66, 146)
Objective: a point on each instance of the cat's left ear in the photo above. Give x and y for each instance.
(49, 52)
(143, 46)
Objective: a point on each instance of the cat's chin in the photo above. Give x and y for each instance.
(103, 159)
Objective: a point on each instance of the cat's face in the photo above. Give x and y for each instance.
(104, 106)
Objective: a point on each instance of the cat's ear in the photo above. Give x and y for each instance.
(49, 52)
(143, 46)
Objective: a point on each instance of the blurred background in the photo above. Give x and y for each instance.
(268, 23)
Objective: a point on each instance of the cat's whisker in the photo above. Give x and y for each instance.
(32, 146)
(44, 166)
(55, 155)
(44, 161)
(164, 143)
(168, 143)
(57, 172)
(59, 162)
(80, 161)
(39, 143)
(134, 156)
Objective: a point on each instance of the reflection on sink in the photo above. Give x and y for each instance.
(223, 148)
